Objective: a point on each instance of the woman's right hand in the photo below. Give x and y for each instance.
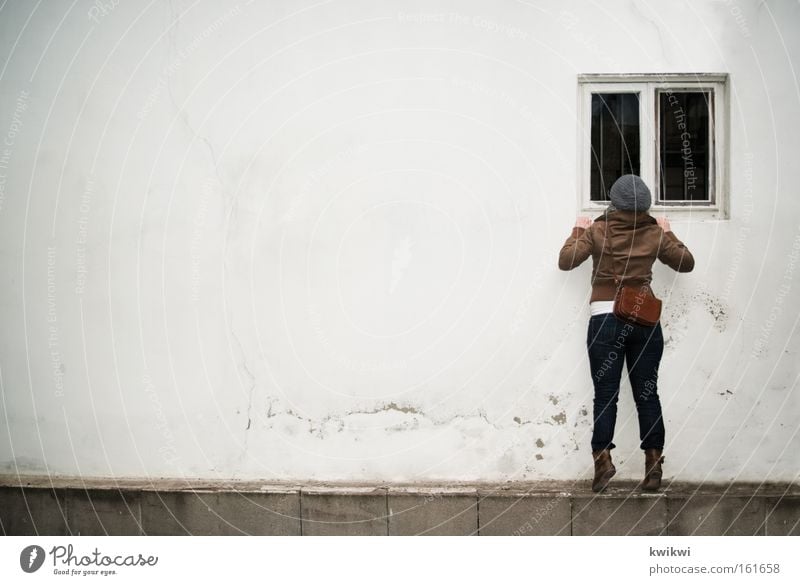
(583, 222)
(664, 223)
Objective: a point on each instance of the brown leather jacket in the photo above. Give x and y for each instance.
(637, 241)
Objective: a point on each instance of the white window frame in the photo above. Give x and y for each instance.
(648, 86)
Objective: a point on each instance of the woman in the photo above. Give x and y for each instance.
(637, 239)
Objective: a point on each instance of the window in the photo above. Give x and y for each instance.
(669, 129)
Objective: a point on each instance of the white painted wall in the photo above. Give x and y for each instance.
(318, 241)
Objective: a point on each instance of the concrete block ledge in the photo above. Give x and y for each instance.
(31, 505)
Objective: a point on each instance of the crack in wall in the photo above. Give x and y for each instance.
(321, 427)
(242, 367)
(176, 60)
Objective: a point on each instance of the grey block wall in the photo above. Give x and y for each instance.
(433, 513)
(344, 513)
(60, 507)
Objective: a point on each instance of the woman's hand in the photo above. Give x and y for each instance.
(583, 222)
(664, 223)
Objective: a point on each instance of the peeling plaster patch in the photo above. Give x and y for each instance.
(539, 443)
(517, 420)
(560, 418)
(403, 409)
(670, 342)
(583, 418)
(553, 399)
(539, 457)
(676, 319)
(715, 307)
(726, 393)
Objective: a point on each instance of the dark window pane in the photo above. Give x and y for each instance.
(685, 124)
(615, 140)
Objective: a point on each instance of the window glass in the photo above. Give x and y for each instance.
(684, 145)
(615, 140)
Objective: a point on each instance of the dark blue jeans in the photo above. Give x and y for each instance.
(611, 342)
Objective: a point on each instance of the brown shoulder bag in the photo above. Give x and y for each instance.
(634, 304)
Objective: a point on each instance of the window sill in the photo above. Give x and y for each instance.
(681, 212)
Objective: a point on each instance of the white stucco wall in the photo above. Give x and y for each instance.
(318, 241)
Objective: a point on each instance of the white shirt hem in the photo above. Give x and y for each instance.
(600, 307)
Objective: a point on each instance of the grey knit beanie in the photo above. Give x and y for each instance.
(629, 192)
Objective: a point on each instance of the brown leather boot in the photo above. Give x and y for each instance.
(604, 469)
(652, 469)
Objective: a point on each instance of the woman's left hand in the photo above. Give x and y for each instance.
(583, 222)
